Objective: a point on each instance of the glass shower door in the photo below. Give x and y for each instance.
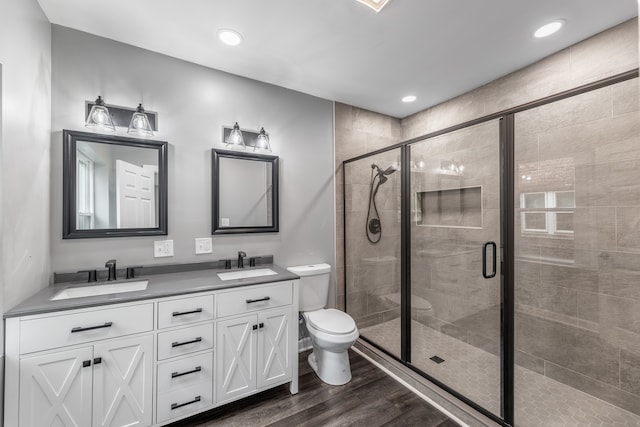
(455, 278)
(372, 247)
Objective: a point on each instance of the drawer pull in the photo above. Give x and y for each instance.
(180, 405)
(89, 328)
(249, 301)
(178, 344)
(97, 360)
(183, 313)
(193, 371)
(86, 363)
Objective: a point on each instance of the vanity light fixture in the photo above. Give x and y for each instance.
(107, 117)
(235, 138)
(549, 28)
(376, 5)
(262, 142)
(140, 123)
(99, 117)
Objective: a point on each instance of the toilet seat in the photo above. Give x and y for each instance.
(331, 321)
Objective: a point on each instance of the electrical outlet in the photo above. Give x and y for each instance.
(204, 245)
(162, 248)
(224, 222)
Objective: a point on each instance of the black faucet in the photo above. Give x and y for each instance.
(111, 265)
(241, 257)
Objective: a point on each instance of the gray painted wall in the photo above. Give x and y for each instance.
(25, 102)
(194, 103)
(25, 55)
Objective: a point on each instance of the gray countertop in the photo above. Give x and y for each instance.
(160, 285)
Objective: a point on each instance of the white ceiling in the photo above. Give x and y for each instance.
(342, 50)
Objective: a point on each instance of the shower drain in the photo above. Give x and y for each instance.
(437, 359)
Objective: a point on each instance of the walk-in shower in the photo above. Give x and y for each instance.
(553, 338)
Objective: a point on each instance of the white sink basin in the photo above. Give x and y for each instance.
(245, 274)
(94, 290)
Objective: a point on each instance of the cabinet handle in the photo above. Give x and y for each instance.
(178, 344)
(193, 371)
(180, 405)
(179, 313)
(86, 363)
(97, 360)
(249, 301)
(255, 327)
(261, 325)
(89, 328)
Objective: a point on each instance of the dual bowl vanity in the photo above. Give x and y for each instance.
(152, 350)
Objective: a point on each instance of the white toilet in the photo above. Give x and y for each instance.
(332, 332)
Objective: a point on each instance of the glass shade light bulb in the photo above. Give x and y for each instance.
(140, 123)
(99, 117)
(262, 142)
(235, 139)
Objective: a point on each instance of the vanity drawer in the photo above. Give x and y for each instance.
(185, 372)
(77, 328)
(254, 299)
(185, 341)
(184, 401)
(185, 311)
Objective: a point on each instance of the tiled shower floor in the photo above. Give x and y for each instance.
(540, 401)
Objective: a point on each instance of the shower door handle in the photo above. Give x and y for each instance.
(484, 260)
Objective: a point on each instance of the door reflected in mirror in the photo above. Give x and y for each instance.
(245, 192)
(114, 186)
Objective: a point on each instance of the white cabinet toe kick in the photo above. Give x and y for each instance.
(153, 362)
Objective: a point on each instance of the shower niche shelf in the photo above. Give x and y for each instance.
(454, 208)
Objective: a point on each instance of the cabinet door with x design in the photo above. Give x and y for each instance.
(123, 372)
(253, 352)
(105, 385)
(55, 389)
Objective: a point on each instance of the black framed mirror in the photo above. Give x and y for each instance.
(113, 186)
(245, 192)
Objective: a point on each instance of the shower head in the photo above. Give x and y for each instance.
(391, 169)
(381, 173)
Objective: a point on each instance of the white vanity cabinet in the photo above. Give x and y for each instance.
(258, 350)
(152, 362)
(103, 381)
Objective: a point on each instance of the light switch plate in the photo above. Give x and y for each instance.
(204, 245)
(224, 222)
(162, 248)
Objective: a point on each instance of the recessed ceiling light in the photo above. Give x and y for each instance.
(409, 98)
(230, 37)
(548, 29)
(376, 5)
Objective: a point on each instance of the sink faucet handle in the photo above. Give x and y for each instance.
(131, 272)
(92, 275)
(111, 265)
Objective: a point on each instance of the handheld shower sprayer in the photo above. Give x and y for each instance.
(374, 226)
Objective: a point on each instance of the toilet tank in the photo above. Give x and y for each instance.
(314, 285)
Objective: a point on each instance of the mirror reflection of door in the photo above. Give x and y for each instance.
(135, 195)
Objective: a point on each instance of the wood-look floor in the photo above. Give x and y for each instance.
(371, 399)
